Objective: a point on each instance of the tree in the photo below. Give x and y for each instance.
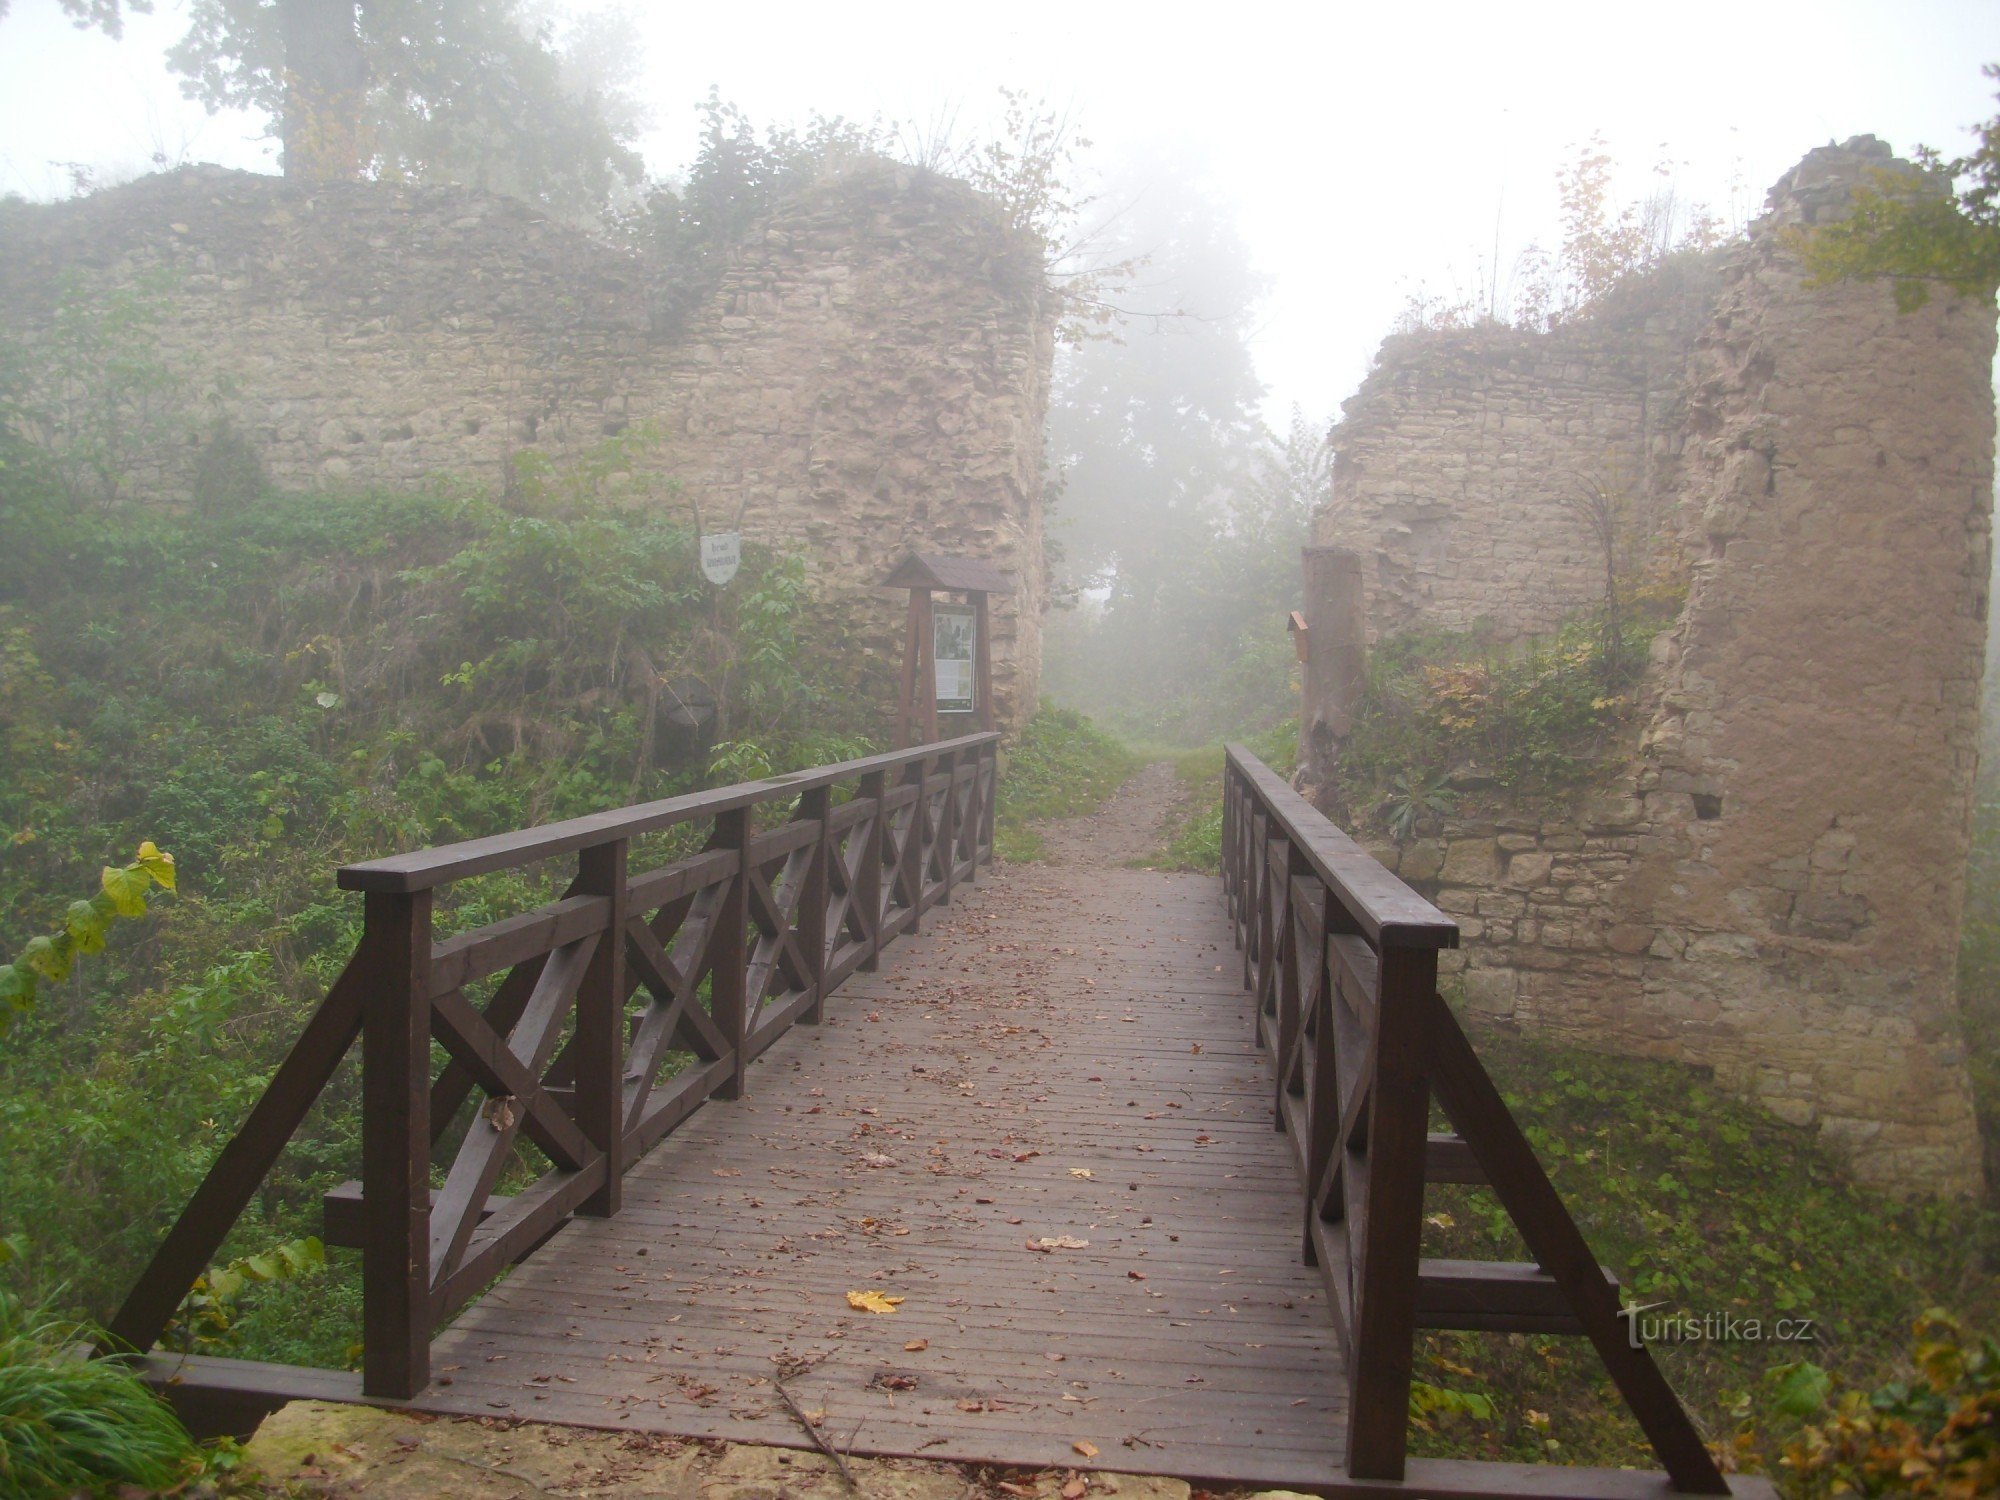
(471, 91)
(107, 16)
(1933, 224)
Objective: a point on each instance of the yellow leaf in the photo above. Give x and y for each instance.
(157, 863)
(872, 1301)
(1081, 1172)
(1088, 1450)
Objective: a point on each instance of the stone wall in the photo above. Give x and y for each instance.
(870, 375)
(1770, 883)
(1461, 460)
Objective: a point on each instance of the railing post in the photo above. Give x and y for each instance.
(395, 1145)
(729, 949)
(813, 896)
(989, 806)
(600, 1026)
(867, 893)
(948, 825)
(1386, 1296)
(913, 846)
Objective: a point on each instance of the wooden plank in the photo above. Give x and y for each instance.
(1494, 1296)
(471, 956)
(426, 868)
(396, 1144)
(1449, 1159)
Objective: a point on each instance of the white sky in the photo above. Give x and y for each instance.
(1369, 146)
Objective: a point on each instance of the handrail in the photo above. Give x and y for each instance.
(1342, 959)
(724, 949)
(425, 868)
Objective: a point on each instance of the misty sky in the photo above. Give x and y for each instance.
(1368, 147)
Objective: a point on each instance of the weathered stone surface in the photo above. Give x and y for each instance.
(1775, 872)
(390, 1455)
(869, 376)
(1471, 861)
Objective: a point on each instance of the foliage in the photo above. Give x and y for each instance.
(70, 1425)
(121, 893)
(480, 92)
(1415, 798)
(1060, 765)
(1708, 1205)
(1934, 225)
(1444, 709)
(1937, 1435)
(206, 1318)
(1194, 837)
(1606, 245)
(272, 686)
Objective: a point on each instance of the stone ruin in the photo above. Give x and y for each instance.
(869, 375)
(1768, 881)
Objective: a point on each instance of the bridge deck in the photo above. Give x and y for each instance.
(1065, 1052)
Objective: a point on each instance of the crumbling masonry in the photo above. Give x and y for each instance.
(1770, 884)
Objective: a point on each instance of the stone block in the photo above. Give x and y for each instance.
(1422, 860)
(1525, 871)
(1471, 862)
(1629, 938)
(1490, 991)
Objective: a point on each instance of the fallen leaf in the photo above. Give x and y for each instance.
(1088, 1450)
(1057, 1242)
(1076, 1489)
(872, 1301)
(1081, 1172)
(1136, 1275)
(916, 1346)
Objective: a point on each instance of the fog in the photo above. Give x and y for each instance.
(1368, 150)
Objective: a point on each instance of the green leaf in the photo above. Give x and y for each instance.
(1799, 1390)
(48, 957)
(86, 922)
(127, 889)
(17, 987)
(12, 1247)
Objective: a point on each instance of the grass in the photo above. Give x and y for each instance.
(71, 1426)
(1707, 1205)
(1060, 766)
(1193, 840)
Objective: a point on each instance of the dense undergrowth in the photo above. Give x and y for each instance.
(268, 685)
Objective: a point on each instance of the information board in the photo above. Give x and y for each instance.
(954, 638)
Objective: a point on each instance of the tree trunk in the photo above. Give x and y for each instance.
(326, 81)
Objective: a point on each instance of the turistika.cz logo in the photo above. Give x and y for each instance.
(1647, 1325)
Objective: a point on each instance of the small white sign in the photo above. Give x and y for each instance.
(721, 556)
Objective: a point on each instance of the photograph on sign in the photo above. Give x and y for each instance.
(953, 640)
(721, 556)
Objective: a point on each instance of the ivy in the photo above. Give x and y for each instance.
(122, 893)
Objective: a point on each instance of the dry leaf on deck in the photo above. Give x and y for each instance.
(916, 1346)
(1050, 1242)
(1088, 1450)
(872, 1301)
(1081, 1172)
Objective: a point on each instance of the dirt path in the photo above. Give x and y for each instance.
(1130, 825)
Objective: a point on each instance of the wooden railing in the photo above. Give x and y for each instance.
(1342, 958)
(721, 950)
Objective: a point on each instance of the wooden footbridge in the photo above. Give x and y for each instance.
(1037, 1132)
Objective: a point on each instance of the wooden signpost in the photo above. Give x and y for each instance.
(948, 653)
